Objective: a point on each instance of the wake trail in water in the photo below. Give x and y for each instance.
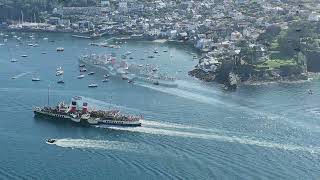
(186, 94)
(223, 138)
(95, 144)
(195, 86)
(158, 124)
(20, 75)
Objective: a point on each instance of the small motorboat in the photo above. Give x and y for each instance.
(155, 51)
(83, 70)
(156, 83)
(13, 60)
(82, 65)
(80, 76)
(24, 55)
(30, 44)
(130, 81)
(130, 57)
(106, 76)
(105, 80)
(59, 71)
(60, 49)
(51, 141)
(165, 50)
(60, 81)
(91, 73)
(43, 52)
(93, 85)
(35, 79)
(45, 38)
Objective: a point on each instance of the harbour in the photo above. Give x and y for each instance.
(192, 131)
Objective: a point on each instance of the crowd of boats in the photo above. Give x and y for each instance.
(122, 69)
(110, 67)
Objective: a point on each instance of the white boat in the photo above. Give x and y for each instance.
(59, 71)
(45, 38)
(83, 70)
(60, 49)
(24, 55)
(30, 44)
(13, 60)
(91, 73)
(128, 53)
(35, 79)
(80, 76)
(93, 85)
(105, 80)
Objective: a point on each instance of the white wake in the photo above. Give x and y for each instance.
(95, 144)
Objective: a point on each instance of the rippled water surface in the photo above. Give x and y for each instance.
(195, 131)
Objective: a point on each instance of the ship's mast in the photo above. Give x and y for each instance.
(48, 95)
(110, 103)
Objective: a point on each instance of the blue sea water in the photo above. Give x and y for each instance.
(194, 131)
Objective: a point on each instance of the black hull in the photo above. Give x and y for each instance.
(84, 123)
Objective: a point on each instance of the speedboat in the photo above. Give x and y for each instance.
(13, 60)
(35, 79)
(60, 82)
(91, 73)
(83, 70)
(93, 85)
(125, 78)
(60, 49)
(59, 71)
(80, 76)
(82, 65)
(51, 141)
(105, 80)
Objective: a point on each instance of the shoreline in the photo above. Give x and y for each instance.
(311, 76)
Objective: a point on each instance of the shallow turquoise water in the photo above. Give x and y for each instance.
(195, 131)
